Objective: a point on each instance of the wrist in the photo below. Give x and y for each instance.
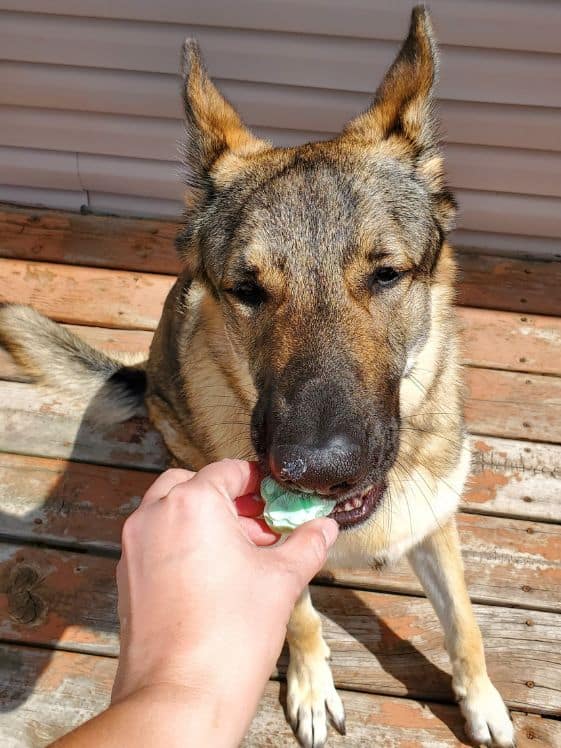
(191, 715)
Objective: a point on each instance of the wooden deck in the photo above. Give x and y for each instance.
(66, 488)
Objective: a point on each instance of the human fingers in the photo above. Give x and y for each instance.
(227, 478)
(164, 483)
(304, 552)
(257, 531)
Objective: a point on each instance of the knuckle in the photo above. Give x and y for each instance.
(178, 475)
(129, 531)
(177, 493)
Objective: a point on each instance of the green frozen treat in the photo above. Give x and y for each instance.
(286, 510)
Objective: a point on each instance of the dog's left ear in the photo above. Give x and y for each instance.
(403, 102)
(217, 142)
(402, 112)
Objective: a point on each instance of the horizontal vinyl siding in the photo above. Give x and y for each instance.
(473, 74)
(265, 105)
(532, 25)
(90, 106)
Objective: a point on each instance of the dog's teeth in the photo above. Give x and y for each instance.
(348, 506)
(357, 503)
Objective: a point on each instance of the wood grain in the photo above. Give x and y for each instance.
(97, 241)
(87, 296)
(495, 340)
(514, 405)
(511, 341)
(45, 694)
(379, 642)
(64, 501)
(38, 423)
(510, 284)
(515, 478)
(507, 562)
(486, 281)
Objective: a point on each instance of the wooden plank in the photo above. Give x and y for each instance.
(38, 422)
(504, 403)
(487, 281)
(380, 643)
(90, 296)
(514, 478)
(63, 501)
(45, 694)
(507, 562)
(59, 501)
(510, 284)
(121, 243)
(34, 422)
(496, 340)
(505, 340)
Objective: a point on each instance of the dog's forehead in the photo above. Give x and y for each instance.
(317, 212)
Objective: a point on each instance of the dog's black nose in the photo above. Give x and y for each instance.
(333, 466)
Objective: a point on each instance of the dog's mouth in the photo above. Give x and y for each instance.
(354, 510)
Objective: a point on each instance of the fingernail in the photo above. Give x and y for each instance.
(330, 531)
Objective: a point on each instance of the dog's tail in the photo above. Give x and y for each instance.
(60, 360)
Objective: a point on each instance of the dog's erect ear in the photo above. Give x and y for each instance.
(214, 130)
(402, 114)
(402, 103)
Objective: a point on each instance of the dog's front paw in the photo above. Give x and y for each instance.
(487, 718)
(311, 696)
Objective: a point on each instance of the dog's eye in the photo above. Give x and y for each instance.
(385, 276)
(249, 293)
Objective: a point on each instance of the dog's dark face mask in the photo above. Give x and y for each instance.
(321, 260)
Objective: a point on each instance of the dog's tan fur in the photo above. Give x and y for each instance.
(201, 373)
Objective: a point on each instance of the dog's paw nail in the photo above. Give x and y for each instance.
(487, 718)
(340, 726)
(311, 696)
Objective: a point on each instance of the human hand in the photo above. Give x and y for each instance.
(204, 608)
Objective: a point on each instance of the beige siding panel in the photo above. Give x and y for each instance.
(485, 242)
(266, 105)
(488, 23)
(469, 167)
(513, 214)
(47, 198)
(501, 125)
(130, 205)
(295, 59)
(26, 167)
(160, 179)
(504, 170)
(135, 137)
(94, 133)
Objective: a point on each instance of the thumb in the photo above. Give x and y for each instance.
(304, 552)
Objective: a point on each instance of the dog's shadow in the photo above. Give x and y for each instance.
(50, 585)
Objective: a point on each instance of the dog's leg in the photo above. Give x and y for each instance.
(311, 693)
(438, 563)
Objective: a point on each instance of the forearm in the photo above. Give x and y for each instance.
(163, 716)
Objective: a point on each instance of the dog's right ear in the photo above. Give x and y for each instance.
(217, 142)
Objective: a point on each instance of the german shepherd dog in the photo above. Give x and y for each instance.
(312, 329)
